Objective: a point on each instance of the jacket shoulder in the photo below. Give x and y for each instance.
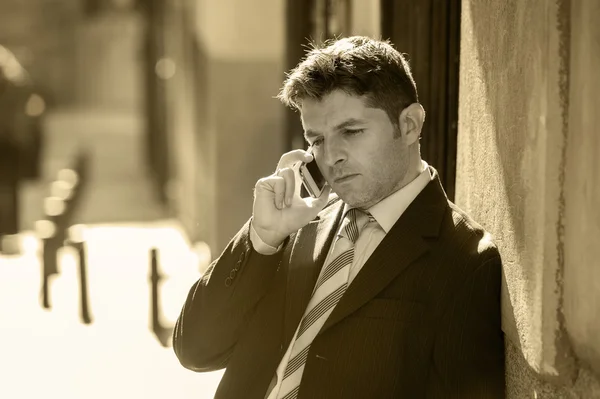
(480, 242)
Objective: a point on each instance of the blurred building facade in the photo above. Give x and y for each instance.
(42, 35)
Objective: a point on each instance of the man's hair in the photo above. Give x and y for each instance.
(357, 65)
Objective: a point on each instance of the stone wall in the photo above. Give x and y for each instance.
(526, 170)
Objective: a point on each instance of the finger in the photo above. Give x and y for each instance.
(298, 180)
(290, 158)
(289, 176)
(272, 187)
(279, 190)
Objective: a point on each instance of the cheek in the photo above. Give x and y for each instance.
(379, 158)
(320, 165)
(387, 163)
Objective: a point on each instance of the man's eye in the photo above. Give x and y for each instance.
(353, 131)
(317, 142)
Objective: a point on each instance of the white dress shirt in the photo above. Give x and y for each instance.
(386, 213)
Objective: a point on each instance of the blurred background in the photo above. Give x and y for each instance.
(132, 133)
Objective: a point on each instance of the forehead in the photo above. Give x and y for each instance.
(335, 108)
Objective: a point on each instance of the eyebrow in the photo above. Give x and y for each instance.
(343, 125)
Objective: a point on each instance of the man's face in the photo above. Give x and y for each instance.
(356, 148)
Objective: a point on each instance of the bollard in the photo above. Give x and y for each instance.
(163, 334)
(59, 209)
(50, 245)
(154, 280)
(84, 309)
(52, 232)
(75, 239)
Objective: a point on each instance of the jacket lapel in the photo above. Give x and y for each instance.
(404, 243)
(307, 255)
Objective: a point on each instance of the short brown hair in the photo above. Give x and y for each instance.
(358, 65)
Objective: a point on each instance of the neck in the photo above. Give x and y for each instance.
(414, 169)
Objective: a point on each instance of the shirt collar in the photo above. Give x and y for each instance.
(388, 210)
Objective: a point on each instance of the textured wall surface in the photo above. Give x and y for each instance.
(515, 175)
(582, 194)
(525, 383)
(510, 145)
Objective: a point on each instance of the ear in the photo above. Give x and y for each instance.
(411, 122)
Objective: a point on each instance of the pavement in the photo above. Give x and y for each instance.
(50, 353)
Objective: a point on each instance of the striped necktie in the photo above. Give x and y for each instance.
(330, 287)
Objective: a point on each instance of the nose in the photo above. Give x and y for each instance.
(334, 153)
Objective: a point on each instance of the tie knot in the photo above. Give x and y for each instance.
(354, 221)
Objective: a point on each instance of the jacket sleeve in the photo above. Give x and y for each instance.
(221, 303)
(468, 359)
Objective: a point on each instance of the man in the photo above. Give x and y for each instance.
(381, 287)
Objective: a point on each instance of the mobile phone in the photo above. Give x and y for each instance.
(313, 181)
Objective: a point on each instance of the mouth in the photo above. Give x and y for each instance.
(344, 179)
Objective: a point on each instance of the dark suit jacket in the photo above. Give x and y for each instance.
(420, 320)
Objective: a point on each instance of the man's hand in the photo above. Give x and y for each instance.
(278, 209)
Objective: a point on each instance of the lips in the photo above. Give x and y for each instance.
(344, 178)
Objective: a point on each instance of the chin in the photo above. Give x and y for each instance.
(352, 200)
